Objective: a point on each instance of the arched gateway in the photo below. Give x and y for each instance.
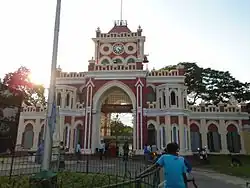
(103, 103)
(118, 81)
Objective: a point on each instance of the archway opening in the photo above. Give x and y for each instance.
(28, 136)
(79, 135)
(213, 138)
(116, 120)
(233, 139)
(151, 135)
(195, 137)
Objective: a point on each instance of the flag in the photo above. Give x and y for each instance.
(52, 119)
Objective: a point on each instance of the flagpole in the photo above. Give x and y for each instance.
(51, 98)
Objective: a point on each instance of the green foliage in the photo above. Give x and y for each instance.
(19, 80)
(212, 86)
(65, 180)
(119, 129)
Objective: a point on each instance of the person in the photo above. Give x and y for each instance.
(125, 151)
(174, 167)
(61, 157)
(78, 152)
(101, 149)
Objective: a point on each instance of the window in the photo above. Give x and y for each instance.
(105, 62)
(131, 60)
(173, 98)
(117, 61)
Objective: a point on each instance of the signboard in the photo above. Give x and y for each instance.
(10, 107)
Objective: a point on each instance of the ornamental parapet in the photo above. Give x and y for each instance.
(43, 109)
(202, 108)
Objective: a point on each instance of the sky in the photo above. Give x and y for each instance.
(213, 33)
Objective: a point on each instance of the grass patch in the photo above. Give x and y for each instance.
(222, 164)
(65, 180)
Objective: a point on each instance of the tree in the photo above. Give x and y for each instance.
(212, 86)
(19, 80)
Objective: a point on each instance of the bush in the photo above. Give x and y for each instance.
(65, 180)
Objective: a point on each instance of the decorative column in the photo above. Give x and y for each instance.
(139, 115)
(36, 130)
(134, 128)
(223, 133)
(96, 130)
(88, 116)
(204, 131)
(21, 128)
(189, 136)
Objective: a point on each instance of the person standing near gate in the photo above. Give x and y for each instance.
(125, 151)
(101, 149)
(78, 152)
(61, 157)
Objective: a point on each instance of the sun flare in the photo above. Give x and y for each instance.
(38, 78)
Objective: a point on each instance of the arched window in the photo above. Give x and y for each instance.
(173, 98)
(117, 61)
(213, 138)
(105, 62)
(195, 137)
(67, 100)
(59, 99)
(233, 139)
(175, 134)
(28, 137)
(131, 60)
(151, 94)
(151, 135)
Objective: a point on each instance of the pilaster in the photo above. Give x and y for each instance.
(242, 141)
(181, 134)
(168, 128)
(223, 133)
(203, 130)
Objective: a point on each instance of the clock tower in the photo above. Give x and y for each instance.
(120, 45)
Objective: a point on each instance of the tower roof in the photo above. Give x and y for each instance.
(120, 26)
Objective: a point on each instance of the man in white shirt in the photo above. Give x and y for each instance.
(78, 152)
(102, 149)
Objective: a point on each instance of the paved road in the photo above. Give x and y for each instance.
(117, 167)
(214, 180)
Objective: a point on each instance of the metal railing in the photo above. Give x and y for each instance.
(110, 172)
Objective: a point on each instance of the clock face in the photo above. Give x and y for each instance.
(118, 48)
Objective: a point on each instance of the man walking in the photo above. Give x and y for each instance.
(174, 167)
